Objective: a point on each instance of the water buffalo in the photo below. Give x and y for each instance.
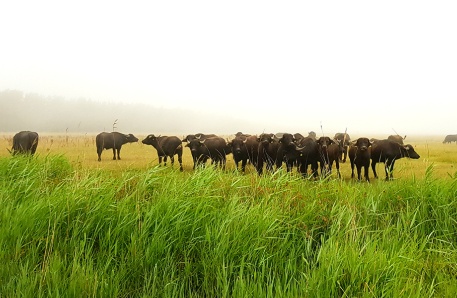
(312, 135)
(166, 147)
(396, 138)
(287, 150)
(308, 155)
(240, 134)
(25, 142)
(450, 139)
(388, 152)
(198, 136)
(267, 152)
(215, 148)
(113, 140)
(343, 140)
(359, 156)
(243, 148)
(329, 152)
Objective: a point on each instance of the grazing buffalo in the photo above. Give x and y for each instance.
(450, 139)
(267, 152)
(329, 152)
(199, 136)
(308, 155)
(388, 152)
(343, 140)
(359, 156)
(25, 142)
(166, 147)
(396, 138)
(215, 148)
(244, 149)
(113, 140)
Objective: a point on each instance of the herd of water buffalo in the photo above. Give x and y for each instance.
(267, 150)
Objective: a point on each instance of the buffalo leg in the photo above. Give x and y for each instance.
(99, 153)
(114, 153)
(243, 165)
(373, 167)
(389, 169)
(366, 172)
(180, 162)
(359, 172)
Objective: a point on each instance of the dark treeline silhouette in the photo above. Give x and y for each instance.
(19, 111)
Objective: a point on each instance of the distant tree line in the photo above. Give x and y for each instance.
(19, 111)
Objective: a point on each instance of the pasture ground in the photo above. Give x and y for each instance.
(81, 151)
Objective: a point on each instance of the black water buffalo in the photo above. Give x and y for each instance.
(312, 135)
(343, 140)
(267, 152)
(450, 139)
(396, 138)
(360, 156)
(298, 137)
(243, 148)
(113, 140)
(240, 134)
(25, 142)
(166, 147)
(215, 148)
(287, 150)
(198, 136)
(308, 155)
(388, 152)
(329, 152)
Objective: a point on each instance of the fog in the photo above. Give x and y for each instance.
(371, 68)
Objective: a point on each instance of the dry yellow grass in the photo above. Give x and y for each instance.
(81, 151)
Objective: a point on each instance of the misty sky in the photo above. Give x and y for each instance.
(290, 65)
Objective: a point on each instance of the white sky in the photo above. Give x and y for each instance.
(293, 65)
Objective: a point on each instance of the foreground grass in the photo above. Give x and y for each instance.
(162, 233)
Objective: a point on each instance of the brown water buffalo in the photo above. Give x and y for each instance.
(388, 152)
(113, 140)
(214, 148)
(450, 139)
(360, 156)
(25, 142)
(166, 146)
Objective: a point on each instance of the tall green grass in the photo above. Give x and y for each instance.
(210, 233)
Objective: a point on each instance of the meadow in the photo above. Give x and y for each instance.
(75, 227)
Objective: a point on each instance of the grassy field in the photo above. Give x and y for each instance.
(81, 151)
(74, 227)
